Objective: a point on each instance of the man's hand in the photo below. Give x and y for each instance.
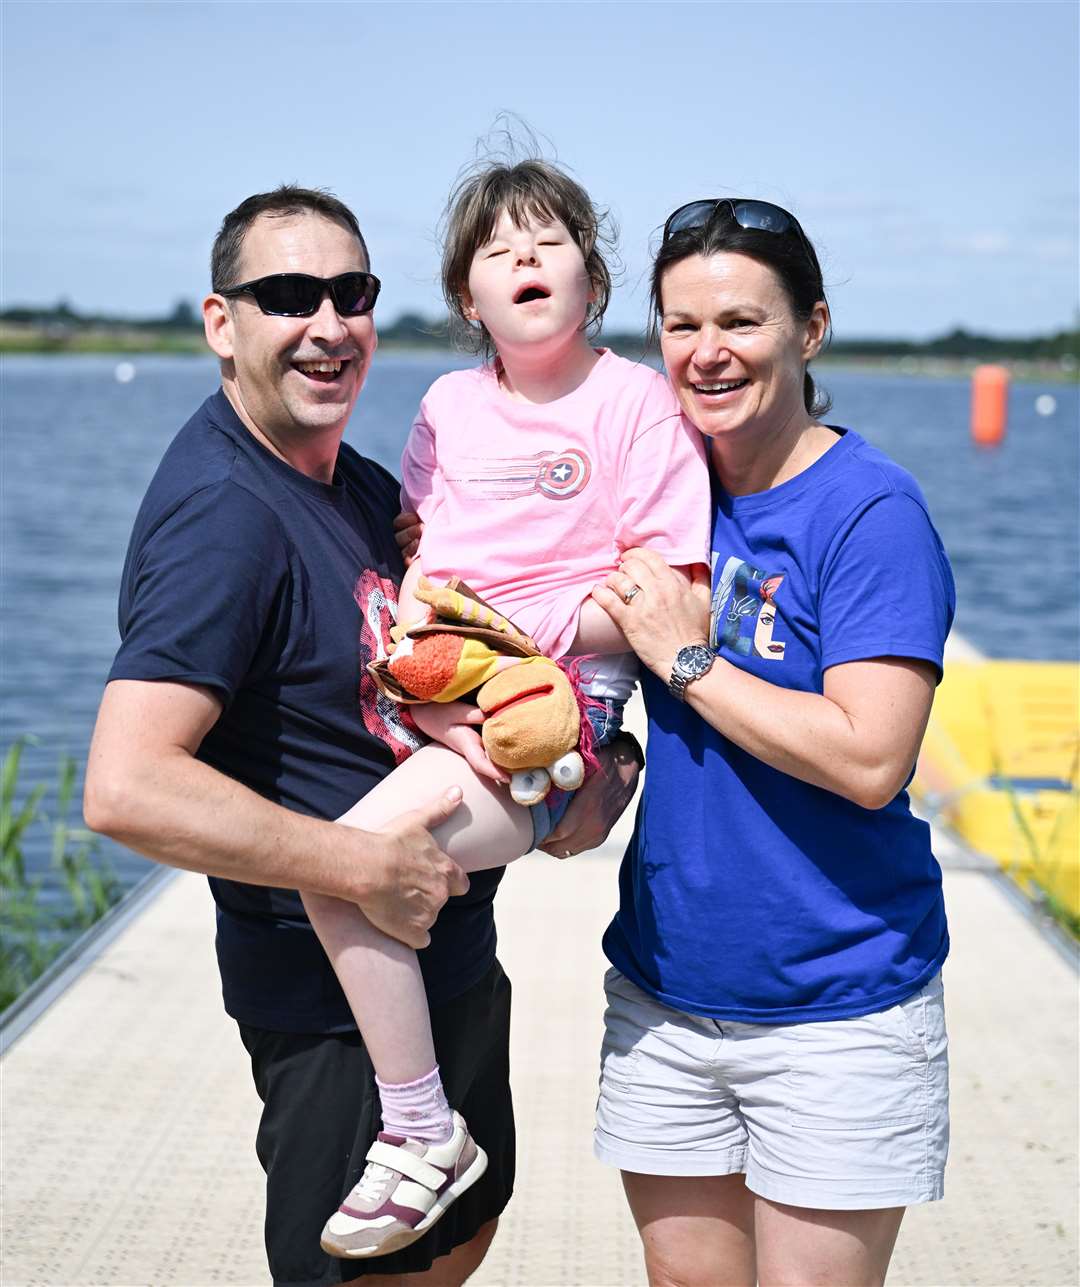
(600, 803)
(416, 877)
(407, 530)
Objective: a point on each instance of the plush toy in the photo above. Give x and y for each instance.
(533, 727)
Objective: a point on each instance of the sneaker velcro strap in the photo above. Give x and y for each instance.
(399, 1159)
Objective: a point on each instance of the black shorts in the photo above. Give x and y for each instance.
(321, 1114)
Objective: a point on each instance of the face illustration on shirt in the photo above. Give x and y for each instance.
(744, 611)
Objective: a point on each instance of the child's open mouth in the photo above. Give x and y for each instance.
(324, 371)
(530, 293)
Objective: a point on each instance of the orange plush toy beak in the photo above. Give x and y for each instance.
(443, 667)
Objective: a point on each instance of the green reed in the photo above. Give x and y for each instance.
(32, 933)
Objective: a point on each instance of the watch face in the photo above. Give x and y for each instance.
(694, 659)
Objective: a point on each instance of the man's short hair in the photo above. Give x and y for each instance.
(285, 201)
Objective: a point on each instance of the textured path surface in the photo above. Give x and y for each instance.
(128, 1111)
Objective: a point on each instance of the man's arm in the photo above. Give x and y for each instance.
(146, 789)
(601, 802)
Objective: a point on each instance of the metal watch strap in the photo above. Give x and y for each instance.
(677, 684)
(682, 675)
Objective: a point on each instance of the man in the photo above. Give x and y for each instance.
(239, 716)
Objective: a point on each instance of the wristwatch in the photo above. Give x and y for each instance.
(691, 662)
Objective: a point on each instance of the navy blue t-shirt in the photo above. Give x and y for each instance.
(747, 894)
(276, 590)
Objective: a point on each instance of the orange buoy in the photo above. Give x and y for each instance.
(989, 404)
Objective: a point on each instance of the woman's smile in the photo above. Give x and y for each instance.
(718, 389)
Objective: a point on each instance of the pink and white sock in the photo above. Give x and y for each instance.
(417, 1109)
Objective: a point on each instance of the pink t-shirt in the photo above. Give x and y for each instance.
(532, 504)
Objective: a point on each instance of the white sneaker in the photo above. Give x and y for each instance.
(406, 1186)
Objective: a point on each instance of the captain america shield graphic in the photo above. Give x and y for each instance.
(564, 475)
(556, 475)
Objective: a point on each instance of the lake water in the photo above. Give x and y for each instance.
(79, 447)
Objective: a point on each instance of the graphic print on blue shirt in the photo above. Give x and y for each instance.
(743, 610)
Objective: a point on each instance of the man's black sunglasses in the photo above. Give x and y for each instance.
(760, 215)
(299, 295)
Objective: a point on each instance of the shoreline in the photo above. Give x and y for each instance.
(134, 344)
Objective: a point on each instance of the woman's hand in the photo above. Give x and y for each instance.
(669, 609)
(454, 724)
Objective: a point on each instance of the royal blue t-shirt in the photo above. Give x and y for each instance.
(276, 590)
(746, 894)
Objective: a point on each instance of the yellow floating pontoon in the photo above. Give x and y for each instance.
(999, 765)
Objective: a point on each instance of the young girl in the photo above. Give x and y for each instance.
(531, 474)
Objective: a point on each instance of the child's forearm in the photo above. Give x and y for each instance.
(410, 609)
(598, 633)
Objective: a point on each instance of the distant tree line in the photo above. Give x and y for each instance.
(959, 343)
(183, 317)
(434, 333)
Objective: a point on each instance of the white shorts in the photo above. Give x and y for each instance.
(845, 1114)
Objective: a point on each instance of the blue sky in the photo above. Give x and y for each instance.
(930, 150)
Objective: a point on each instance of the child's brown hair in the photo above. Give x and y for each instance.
(529, 187)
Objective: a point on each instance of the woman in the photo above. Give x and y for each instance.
(774, 1084)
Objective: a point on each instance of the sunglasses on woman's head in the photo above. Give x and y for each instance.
(299, 294)
(762, 216)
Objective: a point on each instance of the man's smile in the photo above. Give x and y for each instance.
(321, 370)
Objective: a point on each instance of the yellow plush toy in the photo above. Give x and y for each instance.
(533, 722)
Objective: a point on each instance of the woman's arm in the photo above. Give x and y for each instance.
(859, 738)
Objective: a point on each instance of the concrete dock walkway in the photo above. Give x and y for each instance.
(129, 1114)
